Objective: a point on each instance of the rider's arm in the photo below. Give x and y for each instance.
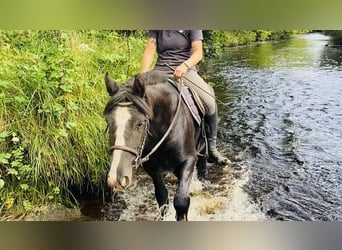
(148, 55)
(196, 57)
(197, 54)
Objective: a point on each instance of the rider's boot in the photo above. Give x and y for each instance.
(214, 154)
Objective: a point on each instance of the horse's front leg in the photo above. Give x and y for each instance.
(160, 190)
(181, 201)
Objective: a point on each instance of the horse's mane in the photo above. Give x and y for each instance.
(126, 93)
(153, 77)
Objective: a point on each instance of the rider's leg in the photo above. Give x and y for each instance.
(207, 94)
(214, 154)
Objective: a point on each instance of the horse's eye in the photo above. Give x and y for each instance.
(140, 124)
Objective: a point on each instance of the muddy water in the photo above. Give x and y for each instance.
(281, 126)
(220, 198)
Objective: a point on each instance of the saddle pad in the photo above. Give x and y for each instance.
(192, 101)
(188, 99)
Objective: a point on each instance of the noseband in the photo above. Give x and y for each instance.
(125, 148)
(139, 160)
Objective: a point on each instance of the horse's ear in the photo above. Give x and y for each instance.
(138, 85)
(112, 86)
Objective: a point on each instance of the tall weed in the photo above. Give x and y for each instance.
(51, 102)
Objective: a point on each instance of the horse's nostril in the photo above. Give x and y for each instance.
(124, 181)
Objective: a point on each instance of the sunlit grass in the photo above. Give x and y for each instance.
(52, 99)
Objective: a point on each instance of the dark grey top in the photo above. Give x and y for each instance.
(173, 46)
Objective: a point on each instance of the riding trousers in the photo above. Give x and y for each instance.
(204, 91)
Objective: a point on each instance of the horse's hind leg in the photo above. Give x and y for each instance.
(181, 201)
(201, 167)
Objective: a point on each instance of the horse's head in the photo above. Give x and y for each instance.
(127, 116)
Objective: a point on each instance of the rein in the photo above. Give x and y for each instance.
(154, 149)
(139, 159)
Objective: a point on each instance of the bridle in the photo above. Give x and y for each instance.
(139, 160)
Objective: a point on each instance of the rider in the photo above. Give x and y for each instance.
(182, 50)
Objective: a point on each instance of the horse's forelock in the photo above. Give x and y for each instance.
(141, 104)
(113, 101)
(125, 95)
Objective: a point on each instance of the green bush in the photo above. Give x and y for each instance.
(216, 40)
(52, 99)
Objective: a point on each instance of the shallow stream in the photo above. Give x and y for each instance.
(281, 126)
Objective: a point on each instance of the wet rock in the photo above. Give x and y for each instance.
(54, 213)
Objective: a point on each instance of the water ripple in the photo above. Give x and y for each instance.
(287, 119)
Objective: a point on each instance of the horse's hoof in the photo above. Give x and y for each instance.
(223, 161)
(182, 218)
(219, 160)
(164, 209)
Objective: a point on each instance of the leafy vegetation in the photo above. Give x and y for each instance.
(51, 101)
(216, 40)
(52, 97)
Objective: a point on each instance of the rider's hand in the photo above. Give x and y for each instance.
(180, 71)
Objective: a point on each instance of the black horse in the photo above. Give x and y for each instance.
(150, 126)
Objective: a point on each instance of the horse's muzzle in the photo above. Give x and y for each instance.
(118, 185)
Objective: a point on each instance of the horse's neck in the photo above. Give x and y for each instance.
(161, 95)
(163, 101)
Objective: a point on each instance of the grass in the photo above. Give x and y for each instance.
(51, 103)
